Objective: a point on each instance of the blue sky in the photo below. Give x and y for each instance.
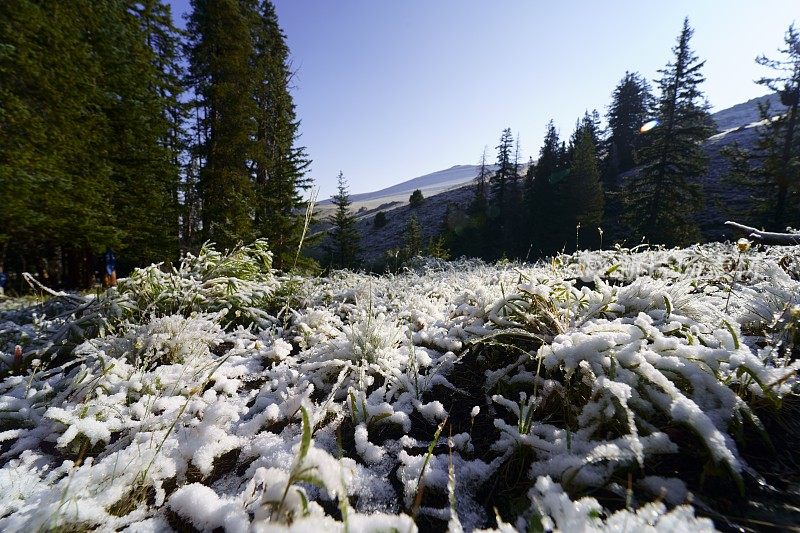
(390, 90)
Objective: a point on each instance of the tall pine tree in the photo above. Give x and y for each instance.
(544, 195)
(584, 192)
(501, 185)
(220, 67)
(280, 163)
(780, 140)
(630, 108)
(664, 195)
(770, 172)
(143, 68)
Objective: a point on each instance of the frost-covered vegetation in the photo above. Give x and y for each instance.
(645, 390)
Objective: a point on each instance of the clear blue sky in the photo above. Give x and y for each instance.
(388, 90)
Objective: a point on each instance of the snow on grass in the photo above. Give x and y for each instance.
(220, 394)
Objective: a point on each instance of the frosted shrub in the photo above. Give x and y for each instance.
(372, 337)
(632, 362)
(557, 513)
(240, 281)
(176, 339)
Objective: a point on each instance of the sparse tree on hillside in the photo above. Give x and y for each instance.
(413, 244)
(663, 197)
(416, 199)
(344, 240)
(380, 219)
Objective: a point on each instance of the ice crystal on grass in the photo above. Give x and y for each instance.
(595, 392)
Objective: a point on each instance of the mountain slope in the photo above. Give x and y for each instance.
(429, 184)
(737, 124)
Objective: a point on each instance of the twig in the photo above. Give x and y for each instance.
(765, 237)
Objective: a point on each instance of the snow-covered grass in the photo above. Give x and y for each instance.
(591, 392)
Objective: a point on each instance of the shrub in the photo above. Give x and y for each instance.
(380, 219)
(416, 199)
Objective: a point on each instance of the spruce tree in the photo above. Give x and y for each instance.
(413, 241)
(780, 139)
(584, 191)
(501, 184)
(630, 108)
(505, 170)
(479, 205)
(544, 195)
(769, 173)
(467, 229)
(280, 163)
(344, 239)
(590, 123)
(143, 70)
(91, 121)
(220, 66)
(664, 195)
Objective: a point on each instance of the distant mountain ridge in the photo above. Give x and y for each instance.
(746, 112)
(737, 116)
(429, 184)
(736, 124)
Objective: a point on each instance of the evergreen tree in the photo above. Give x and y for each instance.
(479, 205)
(501, 184)
(770, 172)
(142, 66)
(413, 243)
(544, 195)
(416, 199)
(630, 108)
(220, 66)
(516, 241)
(466, 229)
(505, 170)
(437, 248)
(344, 238)
(590, 123)
(780, 139)
(279, 163)
(91, 127)
(584, 191)
(664, 195)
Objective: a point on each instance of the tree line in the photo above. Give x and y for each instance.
(639, 180)
(119, 130)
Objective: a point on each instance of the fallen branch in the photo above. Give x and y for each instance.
(765, 237)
